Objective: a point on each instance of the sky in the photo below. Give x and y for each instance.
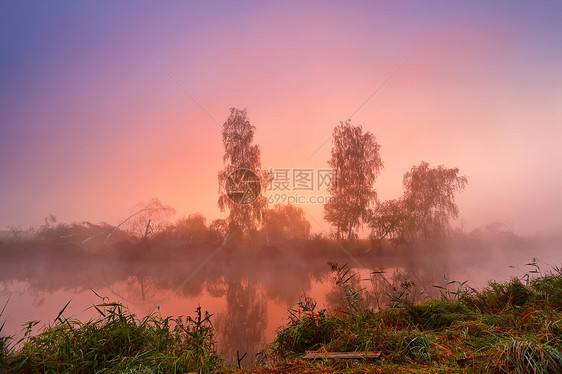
(105, 105)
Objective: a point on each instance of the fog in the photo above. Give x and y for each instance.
(248, 289)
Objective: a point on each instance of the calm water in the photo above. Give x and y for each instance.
(248, 298)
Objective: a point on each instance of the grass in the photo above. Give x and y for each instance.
(511, 327)
(116, 341)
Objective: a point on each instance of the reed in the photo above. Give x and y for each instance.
(117, 341)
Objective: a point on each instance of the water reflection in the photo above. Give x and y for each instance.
(247, 296)
(242, 326)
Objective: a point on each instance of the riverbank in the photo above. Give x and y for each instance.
(511, 327)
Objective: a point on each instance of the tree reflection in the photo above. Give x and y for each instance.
(242, 326)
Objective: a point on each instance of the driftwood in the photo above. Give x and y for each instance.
(345, 355)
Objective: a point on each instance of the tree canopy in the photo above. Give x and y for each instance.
(357, 163)
(242, 171)
(426, 208)
(285, 222)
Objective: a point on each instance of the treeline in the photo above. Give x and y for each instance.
(150, 231)
(285, 233)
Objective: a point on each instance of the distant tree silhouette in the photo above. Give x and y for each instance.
(54, 232)
(285, 222)
(193, 228)
(218, 230)
(147, 220)
(425, 209)
(357, 162)
(429, 199)
(388, 219)
(241, 153)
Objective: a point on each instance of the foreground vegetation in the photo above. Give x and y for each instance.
(512, 327)
(116, 341)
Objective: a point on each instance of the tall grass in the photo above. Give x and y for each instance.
(511, 327)
(117, 341)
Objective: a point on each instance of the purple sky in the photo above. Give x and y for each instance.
(91, 125)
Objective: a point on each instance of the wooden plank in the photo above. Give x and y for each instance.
(344, 355)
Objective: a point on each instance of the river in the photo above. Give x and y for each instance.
(248, 297)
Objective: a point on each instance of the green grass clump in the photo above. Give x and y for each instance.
(307, 329)
(524, 356)
(118, 341)
(512, 327)
(438, 314)
(3, 350)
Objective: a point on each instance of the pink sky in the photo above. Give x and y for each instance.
(92, 125)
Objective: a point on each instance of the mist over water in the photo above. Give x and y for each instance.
(249, 293)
